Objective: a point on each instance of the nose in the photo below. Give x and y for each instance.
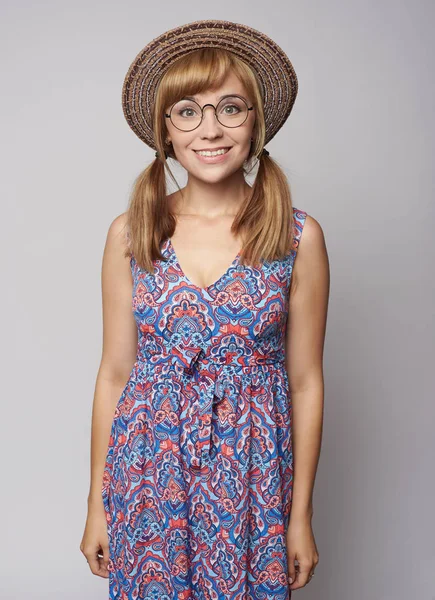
(210, 126)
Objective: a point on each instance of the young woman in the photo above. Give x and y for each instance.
(208, 406)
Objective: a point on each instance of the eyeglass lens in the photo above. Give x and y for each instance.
(231, 111)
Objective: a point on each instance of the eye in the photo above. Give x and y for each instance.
(232, 106)
(231, 109)
(185, 110)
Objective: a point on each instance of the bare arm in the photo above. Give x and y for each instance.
(306, 326)
(118, 353)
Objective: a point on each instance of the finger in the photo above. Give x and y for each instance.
(295, 584)
(93, 563)
(103, 570)
(106, 557)
(291, 569)
(302, 577)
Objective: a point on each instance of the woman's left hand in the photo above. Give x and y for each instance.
(301, 546)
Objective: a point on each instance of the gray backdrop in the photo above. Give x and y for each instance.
(358, 150)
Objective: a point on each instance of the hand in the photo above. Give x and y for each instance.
(301, 546)
(95, 541)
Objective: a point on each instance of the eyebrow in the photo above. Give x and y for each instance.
(194, 98)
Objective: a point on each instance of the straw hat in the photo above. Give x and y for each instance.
(262, 54)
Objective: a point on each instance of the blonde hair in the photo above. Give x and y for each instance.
(266, 215)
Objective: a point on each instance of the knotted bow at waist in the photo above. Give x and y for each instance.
(207, 381)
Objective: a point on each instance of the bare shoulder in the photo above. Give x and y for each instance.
(116, 261)
(312, 234)
(117, 234)
(312, 257)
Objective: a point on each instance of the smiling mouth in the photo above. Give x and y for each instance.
(218, 152)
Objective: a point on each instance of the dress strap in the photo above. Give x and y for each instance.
(133, 266)
(299, 217)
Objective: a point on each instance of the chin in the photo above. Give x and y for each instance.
(214, 176)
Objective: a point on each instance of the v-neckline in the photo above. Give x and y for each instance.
(189, 281)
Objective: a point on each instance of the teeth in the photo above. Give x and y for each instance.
(209, 153)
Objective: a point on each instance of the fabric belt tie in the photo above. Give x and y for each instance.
(212, 389)
(214, 381)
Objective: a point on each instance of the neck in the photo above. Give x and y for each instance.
(213, 198)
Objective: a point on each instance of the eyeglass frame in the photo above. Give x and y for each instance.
(168, 116)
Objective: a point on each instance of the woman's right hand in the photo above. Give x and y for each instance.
(95, 541)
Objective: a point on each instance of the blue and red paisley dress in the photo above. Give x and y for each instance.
(197, 484)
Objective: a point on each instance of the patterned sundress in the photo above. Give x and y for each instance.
(197, 484)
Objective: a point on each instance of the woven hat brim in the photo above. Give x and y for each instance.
(262, 54)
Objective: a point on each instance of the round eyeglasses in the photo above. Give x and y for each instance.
(186, 114)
